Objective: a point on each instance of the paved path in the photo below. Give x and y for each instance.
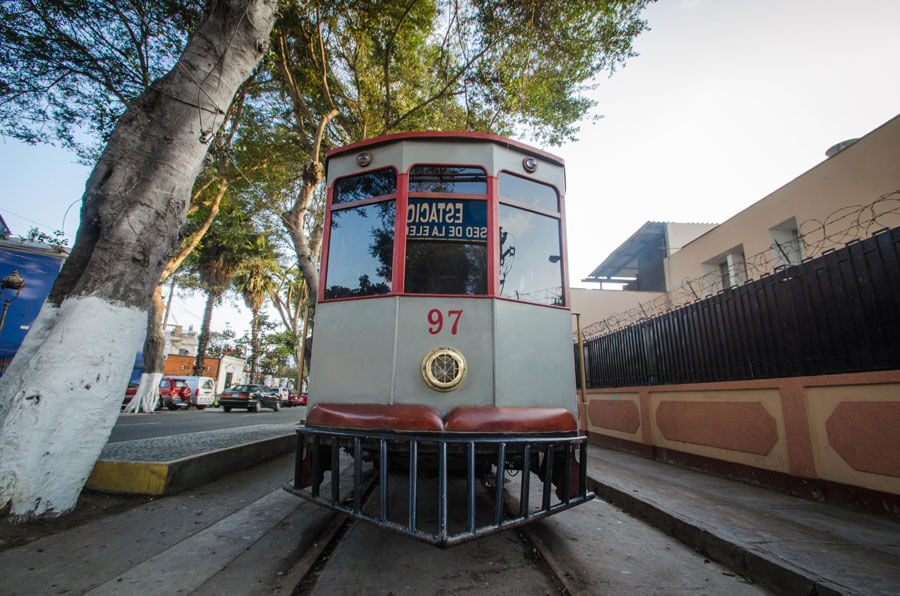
(244, 534)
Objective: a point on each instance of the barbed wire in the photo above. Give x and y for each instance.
(814, 237)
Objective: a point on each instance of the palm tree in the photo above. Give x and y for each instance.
(255, 280)
(215, 262)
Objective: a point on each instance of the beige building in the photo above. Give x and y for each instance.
(831, 434)
(847, 197)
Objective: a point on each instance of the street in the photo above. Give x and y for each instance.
(130, 427)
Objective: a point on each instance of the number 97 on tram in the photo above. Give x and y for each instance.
(442, 340)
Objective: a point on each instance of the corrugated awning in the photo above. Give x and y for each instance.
(622, 263)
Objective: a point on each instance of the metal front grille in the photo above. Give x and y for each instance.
(417, 453)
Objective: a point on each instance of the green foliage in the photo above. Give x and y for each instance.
(255, 278)
(501, 66)
(56, 239)
(275, 350)
(219, 255)
(69, 68)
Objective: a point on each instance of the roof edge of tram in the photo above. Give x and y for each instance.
(448, 135)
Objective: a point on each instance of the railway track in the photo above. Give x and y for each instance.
(364, 559)
(592, 549)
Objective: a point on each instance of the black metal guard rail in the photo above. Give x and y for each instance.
(547, 445)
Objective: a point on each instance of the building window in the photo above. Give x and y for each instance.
(724, 271)
(785, 241)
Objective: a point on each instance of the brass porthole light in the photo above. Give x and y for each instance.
(444, 368)
(363, 159)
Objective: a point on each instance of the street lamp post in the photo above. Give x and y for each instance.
(13, 281)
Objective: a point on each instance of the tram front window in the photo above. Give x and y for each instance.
(446, 247)
(361, 244)
(446, 236)
(530, 257)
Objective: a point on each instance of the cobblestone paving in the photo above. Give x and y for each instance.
(170, 448)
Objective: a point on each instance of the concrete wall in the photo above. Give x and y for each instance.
(835, 428)
(831, 193)
(597, 305)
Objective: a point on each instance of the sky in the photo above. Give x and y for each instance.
(727, 101)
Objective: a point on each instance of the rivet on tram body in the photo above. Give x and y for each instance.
(530, 164)
(363, 159)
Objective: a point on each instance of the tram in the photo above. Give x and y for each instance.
(442, 338)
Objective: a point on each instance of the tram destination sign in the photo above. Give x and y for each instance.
(454, 220)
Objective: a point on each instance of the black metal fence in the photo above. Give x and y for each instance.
(837, 313)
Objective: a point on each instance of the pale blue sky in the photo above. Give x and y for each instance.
(728, 101)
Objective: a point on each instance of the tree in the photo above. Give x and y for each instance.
(78, 350)
(69, 68)
(209, 189)
(353, 70)
(291, 300)
(215, 263)
(255, 281)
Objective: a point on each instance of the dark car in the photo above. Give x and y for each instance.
(250, 397)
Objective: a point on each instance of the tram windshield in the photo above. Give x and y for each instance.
(361, 244)
(446, 236)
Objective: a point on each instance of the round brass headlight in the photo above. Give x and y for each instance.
(444, 368)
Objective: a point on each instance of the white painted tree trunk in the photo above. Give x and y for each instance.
(63, 390)
(65, 400)
(147, 395)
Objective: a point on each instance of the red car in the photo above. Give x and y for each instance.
(173, 393)
(296, 399)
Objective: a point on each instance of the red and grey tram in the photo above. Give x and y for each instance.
(442, 338)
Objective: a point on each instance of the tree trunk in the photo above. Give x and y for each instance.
(306, 249)
(147, 395)
(254, 348)
(154, 343)
(61, 394)
(203, 340)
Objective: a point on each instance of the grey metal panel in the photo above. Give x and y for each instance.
(382, 156)
(353, 349)
(406, 153)
(506, 159)
(533, 360)
(473, 340)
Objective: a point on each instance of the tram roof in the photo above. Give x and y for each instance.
(462, 137)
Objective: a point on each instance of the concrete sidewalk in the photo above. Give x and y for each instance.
(170, 464)
(789, 544)
(244, 534)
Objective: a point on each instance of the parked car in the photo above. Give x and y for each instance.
(164, 390)
(303, 398)
(203, 391)
(284, 394)
(250, 397)
(132, 388)
(294, 398)
(175, 393)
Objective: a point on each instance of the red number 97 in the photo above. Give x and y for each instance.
(437, 321)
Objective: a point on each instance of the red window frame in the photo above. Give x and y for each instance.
(401, 203)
